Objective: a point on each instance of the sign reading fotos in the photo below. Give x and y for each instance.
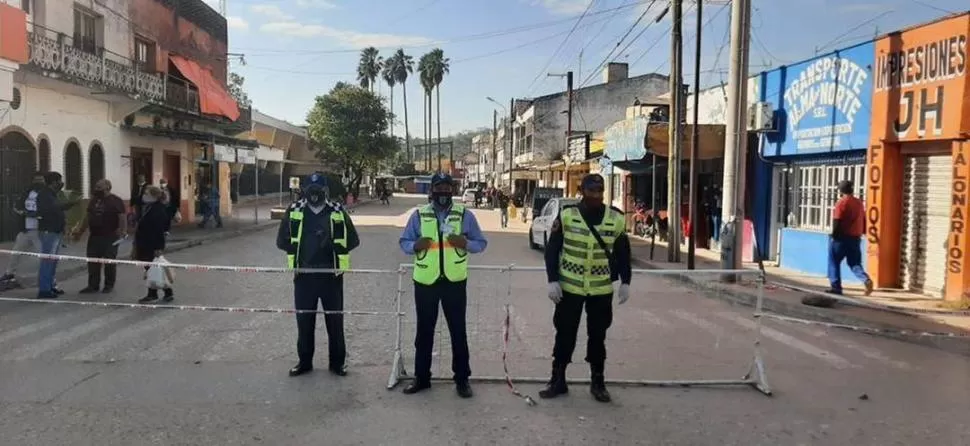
(826, 102)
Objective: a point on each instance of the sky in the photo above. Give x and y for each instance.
(295, 50)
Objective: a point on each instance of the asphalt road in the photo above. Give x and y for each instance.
(120, 376)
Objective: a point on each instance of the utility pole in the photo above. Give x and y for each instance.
(694, 141)
(675, 133)
(736, 137)
(569, 106)
(511, 138)
(494, 140)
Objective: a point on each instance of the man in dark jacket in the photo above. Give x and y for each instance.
(105, 220)
(318, 233)
(28, 239)
(51, 224)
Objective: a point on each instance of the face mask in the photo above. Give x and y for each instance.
(98, 193)
(315, 197)
(148, 199)
(163, 184)
(442, 199)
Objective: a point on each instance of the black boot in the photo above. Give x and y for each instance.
(417, 385)
(557, 384)
(597, 385)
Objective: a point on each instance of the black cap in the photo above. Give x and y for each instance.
(592, 179)
(442, 178)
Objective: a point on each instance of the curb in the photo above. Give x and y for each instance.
(69, 272)
(770, 305)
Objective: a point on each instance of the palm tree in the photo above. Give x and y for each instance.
(368, 68)
(387, 73)
(440, 66)
(403, 67)
(425, 67)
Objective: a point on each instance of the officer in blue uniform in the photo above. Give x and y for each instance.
(318, 233)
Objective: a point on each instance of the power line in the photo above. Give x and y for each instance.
(561, 45)
(921, 3)
(820, 49)
(618, 43)
(523, 45)
(705, 25)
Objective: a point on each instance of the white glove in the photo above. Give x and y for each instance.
(555, 292)
(623, 293)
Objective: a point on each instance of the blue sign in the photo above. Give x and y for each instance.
(625, 139)
(824, 103)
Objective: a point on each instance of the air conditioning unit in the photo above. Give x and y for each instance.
(761, 117)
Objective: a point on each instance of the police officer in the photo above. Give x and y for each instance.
(440, 235)
(318, 233)
(588, 250)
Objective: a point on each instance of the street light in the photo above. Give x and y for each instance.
(490, 99)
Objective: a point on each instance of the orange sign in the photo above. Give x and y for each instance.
(920, 82)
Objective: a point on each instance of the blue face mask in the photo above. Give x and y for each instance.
(442, 199)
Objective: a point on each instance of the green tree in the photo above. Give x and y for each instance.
(425, 67)
(368, 68)
(439, 66)
(403, 67)
(237, 91)
(349, 126)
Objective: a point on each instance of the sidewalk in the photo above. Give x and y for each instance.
(182, 237)
(784, 291)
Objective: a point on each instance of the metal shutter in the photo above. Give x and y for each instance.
(925, 228)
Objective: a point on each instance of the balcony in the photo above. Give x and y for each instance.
(182, 95)
(54, 54)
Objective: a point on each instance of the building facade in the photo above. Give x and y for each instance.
(917, 162)
(815, 134)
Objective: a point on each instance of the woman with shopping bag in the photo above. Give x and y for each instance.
(150, 243)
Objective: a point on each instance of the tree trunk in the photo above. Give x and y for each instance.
(407, 134)
(391, 126)
(430, 131)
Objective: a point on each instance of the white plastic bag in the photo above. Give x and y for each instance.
(159, 277)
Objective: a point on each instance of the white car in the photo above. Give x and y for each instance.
(468, 197)
(542, 223)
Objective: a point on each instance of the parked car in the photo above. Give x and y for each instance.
(468, 197)
(542, 222)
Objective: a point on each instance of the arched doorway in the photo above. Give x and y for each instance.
(95, 165)
(73, 173)
(18, 161)
(44, 155)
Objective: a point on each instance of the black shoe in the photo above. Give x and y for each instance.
(339, 370)
(148, 298)
(88, 290)
(169, 296)
(300, 369)
(57, 291)
(557, 384)
(597, 385)
(107, 289)
(7, 277)
(417, 386)
(463, 388)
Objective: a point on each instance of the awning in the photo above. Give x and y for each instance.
(711, 138)
(213, 97)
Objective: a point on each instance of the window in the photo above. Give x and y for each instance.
(145, 54)
(615, 182)
(85, 30)
(815, 191)
(25, 5)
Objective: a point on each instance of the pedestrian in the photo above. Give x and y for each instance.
(150, 237)
(28, 238)
(503, 205)
(51, 224)
(171, 201)
(587, 252)
(318, 233)
(105, 221)
(440, 235)
(845, 242)
(136, 193)
(210, 195)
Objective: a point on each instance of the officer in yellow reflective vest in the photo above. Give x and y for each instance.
(587, 251)
(318, 233)
(440, 235)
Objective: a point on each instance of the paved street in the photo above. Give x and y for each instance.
(119, 376)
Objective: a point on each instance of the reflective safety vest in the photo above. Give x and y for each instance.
(584, 268)
(442, 259)
(338, 232)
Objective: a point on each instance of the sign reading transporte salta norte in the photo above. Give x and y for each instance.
(825, 102)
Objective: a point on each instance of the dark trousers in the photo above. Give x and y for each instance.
(850, 250)
(327, 289)
(599, 317)
(453, 297)
(102, 247)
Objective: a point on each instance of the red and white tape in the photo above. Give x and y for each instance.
(506, 328)
(200, 267)
(869, 330)
(199, 307)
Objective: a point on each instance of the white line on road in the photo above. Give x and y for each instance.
(797, 344)
(652, 318)
(134, 331)
(29, 329)
(62, 338)
(864, 351)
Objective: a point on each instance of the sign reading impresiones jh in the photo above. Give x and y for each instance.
(825, 101)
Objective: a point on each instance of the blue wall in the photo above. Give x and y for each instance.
(807, 252)
(822, 104)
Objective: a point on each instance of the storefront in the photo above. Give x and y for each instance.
(816, 137)
(917, 163)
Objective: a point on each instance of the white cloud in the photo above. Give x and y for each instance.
(564, 7)
(271, 12)
(350, 39)
(237, 23)
(322, 4)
